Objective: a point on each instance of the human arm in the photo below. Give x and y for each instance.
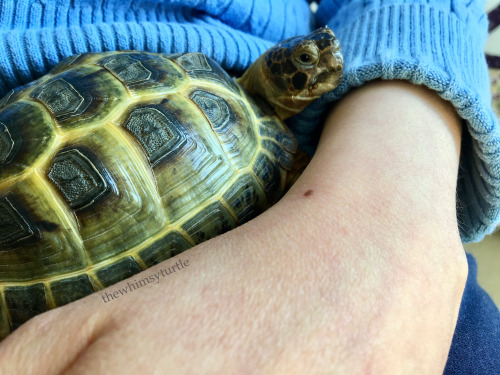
(363, 273)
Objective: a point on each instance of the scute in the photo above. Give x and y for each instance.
(201, 67)
(169, 245)
(215, 107)
(246, 198)
(144, 73)
(62, 98)
(70, 289)
(24, 302)
(74, 61)
(233, 124)
(82, 96)
(6, 144)
(38, 236)
(117, 271)
(156, 130)
(214, 219)
(284, 158)
(26, 133)
(270, 176)
(5, 327)
(118, 206)
(127, 68)
(272, 129)
(14, 227)
(78, 178)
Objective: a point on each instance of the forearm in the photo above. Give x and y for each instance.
(383, 185)
(350, 271)
(389, 156)
(372, 217)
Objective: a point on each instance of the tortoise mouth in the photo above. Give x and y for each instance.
(325, 82)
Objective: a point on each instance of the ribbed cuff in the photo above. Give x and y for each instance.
(433, 47)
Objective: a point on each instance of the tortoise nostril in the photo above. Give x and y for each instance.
(322, 77)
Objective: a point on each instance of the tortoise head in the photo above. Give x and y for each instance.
(296, 71)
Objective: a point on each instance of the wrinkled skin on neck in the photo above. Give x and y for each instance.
(295, 72)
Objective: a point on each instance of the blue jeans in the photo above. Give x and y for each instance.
(475, 348)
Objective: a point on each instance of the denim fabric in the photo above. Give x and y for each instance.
(475, 349)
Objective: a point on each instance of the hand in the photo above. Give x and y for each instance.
(358, 269)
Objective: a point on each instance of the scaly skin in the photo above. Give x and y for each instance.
(297, 71)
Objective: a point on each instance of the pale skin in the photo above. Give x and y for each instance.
(359, 269)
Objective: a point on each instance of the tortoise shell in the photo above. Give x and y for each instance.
(116, 161)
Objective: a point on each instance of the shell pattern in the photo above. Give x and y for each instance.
(116, 161)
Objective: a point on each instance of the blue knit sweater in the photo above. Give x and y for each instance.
(434, 43)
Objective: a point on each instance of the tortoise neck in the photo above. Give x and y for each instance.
(252, 79)
(256, 82)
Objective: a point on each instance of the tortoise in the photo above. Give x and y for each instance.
(116, 161)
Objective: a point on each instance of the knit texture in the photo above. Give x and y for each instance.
(36, 34)
(438, 44)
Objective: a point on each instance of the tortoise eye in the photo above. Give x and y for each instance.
(305, 57)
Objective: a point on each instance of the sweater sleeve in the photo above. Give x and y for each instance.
(436, 44)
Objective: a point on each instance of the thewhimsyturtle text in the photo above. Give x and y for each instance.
(154, 278)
